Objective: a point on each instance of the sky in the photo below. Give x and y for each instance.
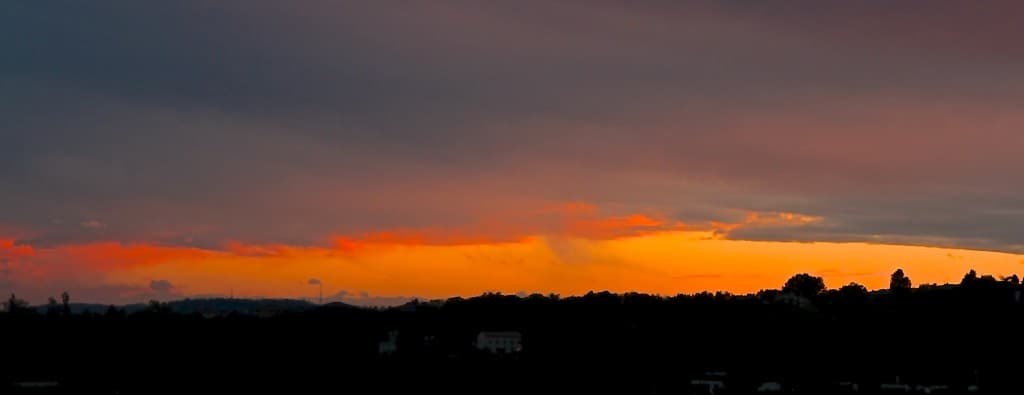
(395, 149)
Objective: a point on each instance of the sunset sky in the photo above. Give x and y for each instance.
(398, 149)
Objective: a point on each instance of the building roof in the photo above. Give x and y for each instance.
(506, 334)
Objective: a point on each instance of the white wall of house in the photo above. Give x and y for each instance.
(500, 342)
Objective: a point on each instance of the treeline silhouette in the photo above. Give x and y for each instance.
(802, 338)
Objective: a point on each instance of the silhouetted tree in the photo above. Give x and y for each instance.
(899, 282)
(65, 301)
(155, 307)
(853, 290)
(52, 308)
(1012, 279)
(768, 295)
(969, 278)
(15, 305)
(849, 294)
(113, 311)
(805, 285)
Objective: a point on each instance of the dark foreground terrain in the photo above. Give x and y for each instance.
(931, 339)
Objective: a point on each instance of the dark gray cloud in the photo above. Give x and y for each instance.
(978, 222)
(161, 286)
(193, 122)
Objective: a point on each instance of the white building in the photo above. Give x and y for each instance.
(848, 386)
(898, 386)
(500, 342)
(389, 346)
(895, 387)
(932, 389)
(707, 387)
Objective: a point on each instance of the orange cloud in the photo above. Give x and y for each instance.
(114, 255)
(10, 250)
(725, 226)
(782, 218)
(347, 244)
(411, 237)
(612, 227)
(247, 249)
(767, 219)
(430, 236)
(575, 219)
(88, 265)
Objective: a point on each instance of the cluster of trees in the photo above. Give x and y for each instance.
(18, 306)
(809, 286)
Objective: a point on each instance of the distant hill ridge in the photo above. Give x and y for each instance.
(206, 306)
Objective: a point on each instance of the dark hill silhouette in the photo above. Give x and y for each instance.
(224, 306)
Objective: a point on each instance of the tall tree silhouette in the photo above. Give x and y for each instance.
(15, 305)
(970, 278)
(899, 282)
(65, 301)
(805, 285)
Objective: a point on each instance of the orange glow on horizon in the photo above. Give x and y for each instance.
(667, 263)
(578, 251)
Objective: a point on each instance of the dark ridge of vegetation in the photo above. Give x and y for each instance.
(205, 306)
(803, 338)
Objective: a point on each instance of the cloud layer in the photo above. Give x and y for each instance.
(212, 128)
